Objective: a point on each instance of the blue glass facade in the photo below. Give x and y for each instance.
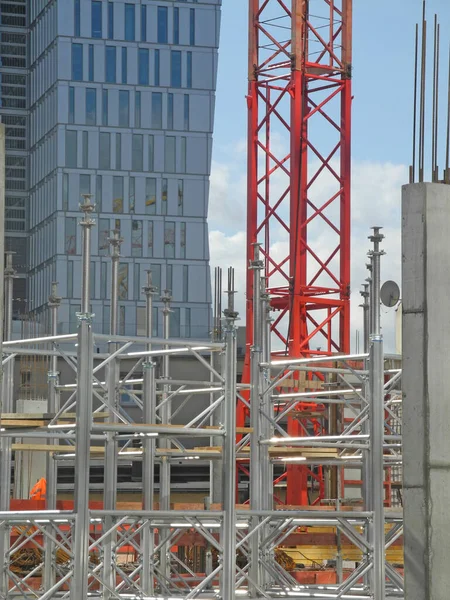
(123, 109)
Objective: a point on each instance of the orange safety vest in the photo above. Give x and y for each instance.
(39, 491)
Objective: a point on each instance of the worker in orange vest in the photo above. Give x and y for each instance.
(39, 490)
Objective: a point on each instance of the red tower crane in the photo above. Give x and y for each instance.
(299, 137)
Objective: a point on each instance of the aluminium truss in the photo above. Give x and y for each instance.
(121, 553)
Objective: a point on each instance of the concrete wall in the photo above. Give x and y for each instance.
(426, 406)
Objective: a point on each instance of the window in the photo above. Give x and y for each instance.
(98, 193)
(192, 27)
(182, 240)
(103, 237)
(106, 318)
(164, 197)
(85, 150)
(91, 106)
(150, 196)
(176, 25)
(96, 20)
(170, 111)
(71, 105)
(104, 159)
(137, 281)
(157, 68)
(174, 328)
(85, 184)
(65, 191)
(110, 64)
(132, 193)
(118, 194)
(180, 197)
(175, 68)
(77, 19)
(70, 279)
(124, 65)
(124, 108)
(91, 62)
(170, 155)
(156, 276)
(103, 281)
(163, 20)
(137, 152)
(77, 62)
(187, 322)
(71, 148)
(123, 281)
(143, 23)
(185, 294)
(151, 153)
(169, 278)
(137, 109)
(143, 66)
(189, 70)
(110, 20)
(156, 110)
(136, 238)
(71, 235)
(183, 155)
(150, 239)
(186, 112)
(105, 107)
(118, 151)
(130, 20)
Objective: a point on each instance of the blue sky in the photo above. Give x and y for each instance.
(383, 59)
(383, 75)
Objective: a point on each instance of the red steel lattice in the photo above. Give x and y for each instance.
(299, 107)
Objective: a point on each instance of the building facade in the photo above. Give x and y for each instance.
(120, 105)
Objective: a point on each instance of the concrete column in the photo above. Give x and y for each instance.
(426, 406)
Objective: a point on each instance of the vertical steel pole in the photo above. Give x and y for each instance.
(366, 468)
(6, 443)
(229, 449)
(110, 470)
(166, 415)
(149, 444)
(79, 583)
(255, 421)
(267, 430)
(4, 467)
(376, 375)
(54, 302)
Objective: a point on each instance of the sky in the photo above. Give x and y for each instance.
(383, 72)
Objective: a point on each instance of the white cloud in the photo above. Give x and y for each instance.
(376, 193)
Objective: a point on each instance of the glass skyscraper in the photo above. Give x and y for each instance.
(115, 99)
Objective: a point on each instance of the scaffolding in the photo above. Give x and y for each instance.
(152, 550)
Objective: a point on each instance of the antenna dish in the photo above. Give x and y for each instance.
(390, 293)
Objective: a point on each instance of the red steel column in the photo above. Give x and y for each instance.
(299, 174)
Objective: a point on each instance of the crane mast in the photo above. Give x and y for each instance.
(299, 173)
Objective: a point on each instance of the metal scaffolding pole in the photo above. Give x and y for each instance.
(54, 302)
(79, 584)
(149, 445)
(110, 472)
(229, 450)
(7, 406)
(257, 266)
(376, 378)
(166, 415)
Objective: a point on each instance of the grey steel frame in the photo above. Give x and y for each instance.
(150, 533)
